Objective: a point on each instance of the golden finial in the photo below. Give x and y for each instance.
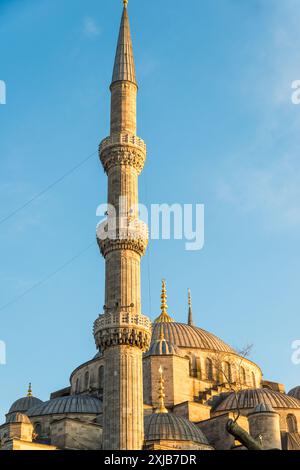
(29, 393)
(161, 408)
(164, 317)
(163, 297)
(125, 2)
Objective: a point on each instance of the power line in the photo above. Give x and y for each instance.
(46, 278)
(48, 188)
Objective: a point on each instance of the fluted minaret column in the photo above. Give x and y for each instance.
(122, 332)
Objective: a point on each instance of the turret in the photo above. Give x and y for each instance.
(264, 425)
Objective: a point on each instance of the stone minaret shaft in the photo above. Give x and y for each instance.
(122, 333)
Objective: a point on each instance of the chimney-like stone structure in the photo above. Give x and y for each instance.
(122, 333)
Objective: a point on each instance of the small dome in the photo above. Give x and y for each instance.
(295, 393)
(71, 404)
(186, 336)
(249, 399)
(162, 347)
(24, 404)
(167, 426)
(264, 408)
(17, 418)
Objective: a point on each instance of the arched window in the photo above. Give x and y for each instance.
(190, 365)
(101, 379)
(233, 374)
(198, 368)
(292, 423)
(243, 376)
(77, 388)
(253, 380)
(226, 368)
(209, 369)
(37, 430)
(86, 380)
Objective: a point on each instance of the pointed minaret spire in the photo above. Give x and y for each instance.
(124, 68)
(190, 316)
(161, 408)
(29, 393)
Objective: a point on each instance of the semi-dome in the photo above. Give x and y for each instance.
(167, 426)
(295, 392)
(187, 336)
(249, 399)
(18, 418)
(83, 404)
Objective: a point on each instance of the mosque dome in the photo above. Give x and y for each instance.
(182, 335)
(167, 426)
(24, 404)
(18, 418)
(83, 404)
(162, 347)
(295, 393)
(249, 399)
(187, 336)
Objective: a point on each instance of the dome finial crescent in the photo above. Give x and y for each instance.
(125, 3)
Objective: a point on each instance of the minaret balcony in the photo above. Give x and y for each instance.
(123, 149)
(128, 235)
(122, 328)
(122, 138)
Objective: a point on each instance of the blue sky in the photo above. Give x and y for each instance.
(215, 110)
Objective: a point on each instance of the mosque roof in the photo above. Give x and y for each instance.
(25, 403)
(295, 393)
(163, 347)
(251, 398)
(84, 404)
(167, 426)
(186, 336)
(182, 335)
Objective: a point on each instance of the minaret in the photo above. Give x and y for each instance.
(190, 312)
(122, 333)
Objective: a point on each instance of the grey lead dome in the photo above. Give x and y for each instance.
(72, 404)
(248, 399)
(167, 426)
(186, 336)
(24, 404)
